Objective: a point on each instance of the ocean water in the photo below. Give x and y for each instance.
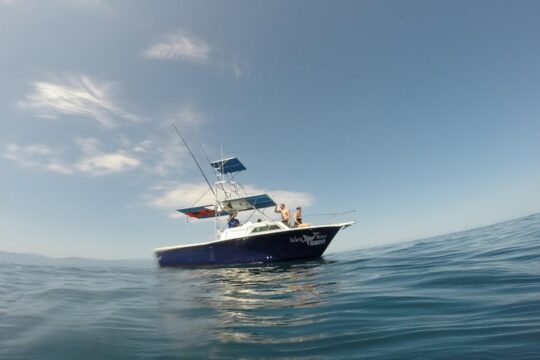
(469, 295)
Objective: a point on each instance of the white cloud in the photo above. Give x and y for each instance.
(289, 198)
(107, 163)
(171, 157)
(121, 153)
(187, 115)
(77, 95)
(101, 4)
(93, 161)
(171, 154)
(179, 45)
(88, 145)
(237, 71)
(97, 162)
(94, 158)
(28, 156)
(292, 198)
(58, 167)
(170, 196)
(143, 147)
(38, 150)
(156, 157)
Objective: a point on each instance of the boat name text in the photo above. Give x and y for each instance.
(314, 240)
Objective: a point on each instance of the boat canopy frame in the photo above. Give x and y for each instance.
(233, 193)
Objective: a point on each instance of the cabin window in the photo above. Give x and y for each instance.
(265, 228)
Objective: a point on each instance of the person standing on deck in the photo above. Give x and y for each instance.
(298, 217)
(285, 214)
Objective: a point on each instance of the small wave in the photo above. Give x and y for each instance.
(472, 294)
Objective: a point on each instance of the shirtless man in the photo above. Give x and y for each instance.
(285, 214)
(298, 217)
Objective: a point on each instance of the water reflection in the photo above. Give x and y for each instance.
(244, 304)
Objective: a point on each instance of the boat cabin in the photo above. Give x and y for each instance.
(250, 228)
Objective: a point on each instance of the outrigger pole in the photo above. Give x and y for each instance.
(195, 159)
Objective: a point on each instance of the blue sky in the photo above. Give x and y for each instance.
(423, 116)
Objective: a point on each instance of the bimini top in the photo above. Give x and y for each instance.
(248, 203)
(229, 205)
(228, 166)
(201, 212)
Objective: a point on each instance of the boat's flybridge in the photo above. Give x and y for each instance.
(230, 197)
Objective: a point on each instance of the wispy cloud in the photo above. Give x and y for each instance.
(179, 46)
(76, 95)
(107, 163)
(182, 46)
(29, 156)
(170, 155)
(290, 198)
(56, 166)
(237, 71)
(150, 153)
(169, 196)
(101, 4)
(188, 116)
(93, 160)
(97, 162)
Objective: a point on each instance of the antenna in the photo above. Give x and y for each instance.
(194, 159)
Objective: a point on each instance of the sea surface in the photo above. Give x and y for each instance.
(468, 295)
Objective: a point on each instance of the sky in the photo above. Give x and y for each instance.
(422, 116)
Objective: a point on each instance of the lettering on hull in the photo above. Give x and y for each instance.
(314, 240)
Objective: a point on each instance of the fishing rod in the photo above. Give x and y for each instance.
(205, 154)
(195, 159)
(216, 172)
(341, 213)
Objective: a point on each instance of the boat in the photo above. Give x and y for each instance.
(260, 241)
